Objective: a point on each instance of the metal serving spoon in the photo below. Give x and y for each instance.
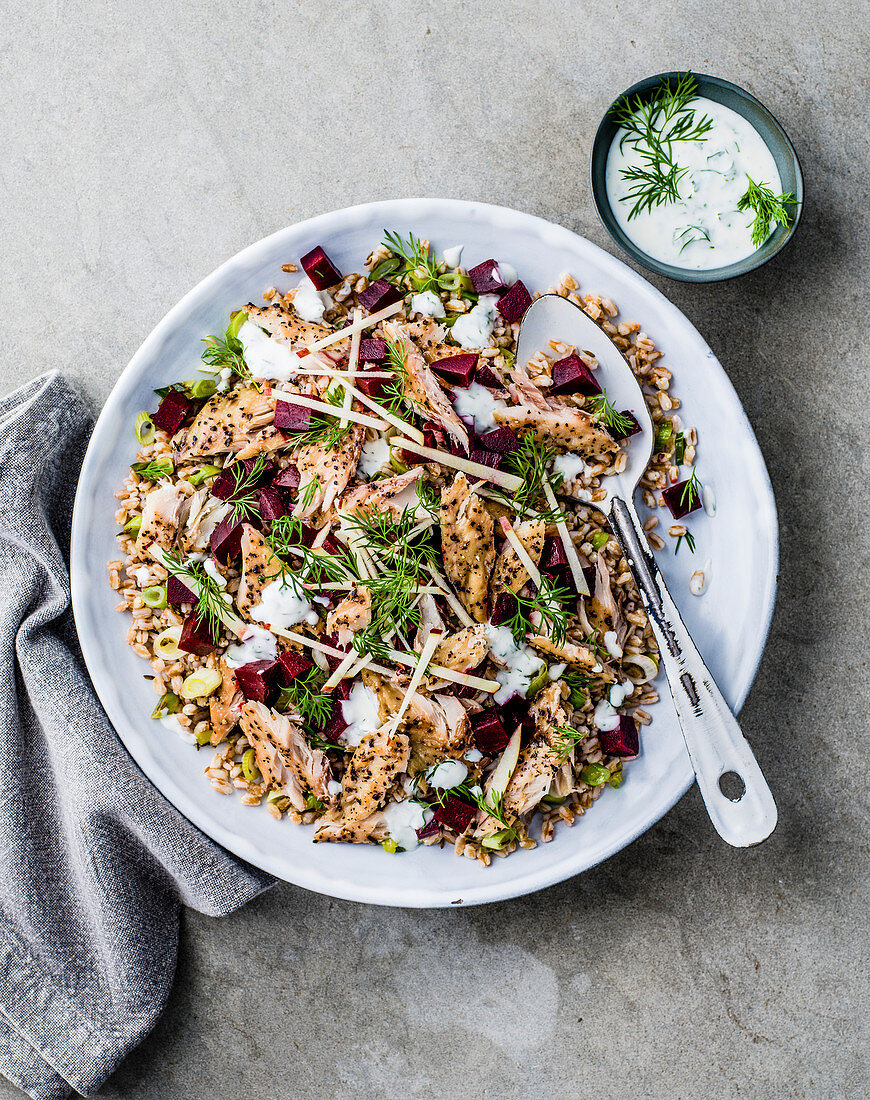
(714, 740)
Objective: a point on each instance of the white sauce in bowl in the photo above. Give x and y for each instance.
(704, 229)
(478, 404)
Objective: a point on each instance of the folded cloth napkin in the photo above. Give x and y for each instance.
(95, 862)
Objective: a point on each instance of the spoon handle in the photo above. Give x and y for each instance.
(715, 742)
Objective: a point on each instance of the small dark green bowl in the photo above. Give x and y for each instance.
(773, 135)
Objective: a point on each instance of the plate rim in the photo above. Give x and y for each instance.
(408, 897)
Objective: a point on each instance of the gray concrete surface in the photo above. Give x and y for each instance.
(143, 144)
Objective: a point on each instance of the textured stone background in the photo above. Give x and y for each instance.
(142, 145)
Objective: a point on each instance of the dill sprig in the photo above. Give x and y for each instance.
(690, 235)
(228, 350)
(529, 462)
(243, 497)
(607, 414)
(691, 491)
(554, 603)
(286, 539)
(210, 602)
(690, 542)
(411, 258)
(309, 492)
(653, 124)
(396, 388)
(154, 470)
(494, 807)
(767, 207)
(567, 740)
(324, 429)
(305, 695)
(578, 687)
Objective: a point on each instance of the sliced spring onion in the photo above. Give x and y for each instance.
(649, 667)
(498, 841)
(390, 845)
(396, 463)
(204, 474)
(202, 387)
(166, 643)
(679, 449)
(276, 796)
(313, 803)
(168, 703)
(539, 682)
(237, 319)
(143, 429)
(133, 526)
(203, 737)
(664, 431)
(155, 596)
(599, 540)
(595, 774)
(201, 683)
(157, 468)
(249, 766)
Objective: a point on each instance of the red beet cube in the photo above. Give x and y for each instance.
(572, 375)
(487, 279)
(500, 440)
(293, 664)
(457, 369)
(226, 539)
(487, 458)
(258, 679)
(429, 829)
(195, 637)
(513, 305)
(553, 557)
(332, 546)
(271, 505)
(291, 418)
(489, 734)
(624, 740)
(682, 500)
(504, 607)
(372, 387)
(177, 592)
(379, 295)
(455, 814)
(486, 377)
(287, 479)
(372, 350)
(172, 411)
(320, 269)
(225, 484)
(627, 433)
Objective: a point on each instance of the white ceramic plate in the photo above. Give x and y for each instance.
(729, 623)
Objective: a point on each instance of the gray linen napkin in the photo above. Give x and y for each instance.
(94, 862)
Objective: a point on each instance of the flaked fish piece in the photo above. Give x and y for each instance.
(573, 653)
(523, 390)
(387, 494)
(463, 650)
(161, 516)
(467, 545)
(227, 422)
(437, 725)
(562, 426)
(430, 619)
(424, 390)
(603, 608)
(205, 513)
(333, 828)
(259, 568)
(324, 474)
(377, 762)
(353, 613)
(427, 335)
(285, 326)
(225, 708)
(284, 757)
(265, 441)
(510, 573)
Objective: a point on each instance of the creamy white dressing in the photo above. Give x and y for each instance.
(620, 692)
(428, 303)
(172, 723)
(708, 499)
(700, 579)
(213, 571)
(403, 819)
(571, 467)
(453, 255)
(507, 273)
(374, 456)
(283, 604)
(473, 755)
(309, 302)
(605, 717)
(334, 787)
(473, 329)
(611, 644)
(256, 645)
(224, 378)
(141, 574)
(477, 403)
(522, 663)
(265, 356)
(361, 713)
(447, 775)
(704, 229)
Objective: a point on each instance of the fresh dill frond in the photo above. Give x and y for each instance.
(691, 234)
(691, 491)
(228, 351)
(412, 258)
(578, 687)
(494, 807)
(690, 542)
(305, 695)
(567, 740)
(243, 497)
(553, 603)
(309, 491)
(653, 124)
(324, 430)
(767, 208)
(397, 360)
(428, 499)
(607, 414)
(287, 539)
(529, 462)
(154, 470)
(210, 603)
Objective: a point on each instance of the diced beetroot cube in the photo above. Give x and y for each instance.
(291, 418)
(320, 269)
(681, 500)
(489, 734)
(618, 433)
(589, 576)
(515, 712)
(379, 295)
(504, 607)
(513, 305)
(553, 556)
(429, 829)
(486, 377)
(455, 814)
(457, 369)
(332, 661)
(226, 539)
(227, 481)
(331, 545)
(293, 664)
(624, 740)
(335, 725)
(572, 375)
(372, 350)
(258, 679)
(487, 279)
(487, 458)
(372, 387)
(172, 411)
(500, 440)
(287, 479)
(177, 592)
(271, 505)
(195, 637)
